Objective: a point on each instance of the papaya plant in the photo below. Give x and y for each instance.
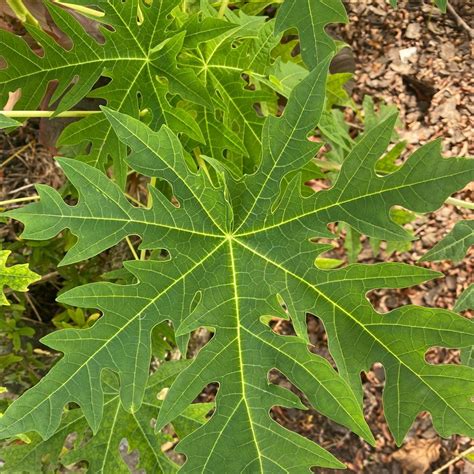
(228, 244)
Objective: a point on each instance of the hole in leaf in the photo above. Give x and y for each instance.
(318, 338)
(208, 393)
(130, 458)
(282, 327)
(198, 340)
(442, 356)
(386, 300)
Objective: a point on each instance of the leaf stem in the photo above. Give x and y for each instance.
(17, 200)
(134, 200)
(47, 113)
(22, 13)
(464, 454)
(17, 153)
(223, 8)
(327, 165)
(81, 9)
(460, 203)
(201, 163)
(149, 204)
(132, 248)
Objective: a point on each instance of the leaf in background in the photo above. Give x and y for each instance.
(101, 451)
(455, 245)
(7, 122)
(441, 4)
(310, 18)
(237, 250)
(132, 56)
(466, 302)
(233, 129)
(16, 277)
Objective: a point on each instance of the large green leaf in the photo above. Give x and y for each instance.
(101, 451)
(237, 252)
(16, 277)
(455, 245)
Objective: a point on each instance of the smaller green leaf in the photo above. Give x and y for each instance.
(7, 360)
(464, 303)
(466, 300)
(441, 4)
(328, 263)
(387, 164)
(310, 18)
(102, 450)
(7, 122)
(16, 277)
(455, 245)
(198, 31)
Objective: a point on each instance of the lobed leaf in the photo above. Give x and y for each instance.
(441, 4)
(16, 277)
(310, 18)
(102, 451)
(138, 58)
(7, 122)
(237, 250)
(455, 245)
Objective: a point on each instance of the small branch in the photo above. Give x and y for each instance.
(17, 200)
(22, 13)
(47, 113)
(460, 203)
(81, 9)
(454, 460)
(45, 278)
(132, 248)
(327, 165)
(223, 8)
(17, 153)
(460, 21)
(33, 307)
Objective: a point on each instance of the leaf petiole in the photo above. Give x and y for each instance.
(47, 113)
(81, 9)
(18, 200)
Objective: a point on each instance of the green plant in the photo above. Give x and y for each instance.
(17, 277)
(231, 251)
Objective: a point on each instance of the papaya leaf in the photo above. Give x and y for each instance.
(466, 302)
(310, 18)
(138, 59)
(455, 245)
(240, 253)
(220, 64)
(101, 451)
(16, 277)
(7, 122)
(441, 4)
